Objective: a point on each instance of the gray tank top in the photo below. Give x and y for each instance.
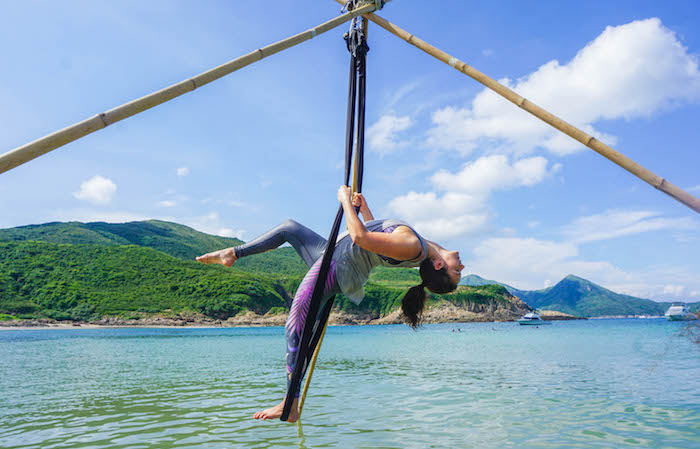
(354, 264)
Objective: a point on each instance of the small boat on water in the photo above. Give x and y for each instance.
(533, 319)
(679, 312)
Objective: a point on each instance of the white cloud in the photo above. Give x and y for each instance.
(167, 203)
(441, 216)
(674, 290)
(461, 207)
(87, 216)
(382, 136)
(183, 171)
(490, 173)
(508, 231)
(487, 52)
(225, 232)
(618, 223)
(265, 181)
(516, 260)
(525, 262)
(96, 190)
(629, 71)
(231, 203)
(694, 188)
(211, 224)
(662, 283)
(401, 93)
(452, 227)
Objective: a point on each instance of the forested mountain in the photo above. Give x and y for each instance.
(82, 271)
(578, 296)
(170, 238)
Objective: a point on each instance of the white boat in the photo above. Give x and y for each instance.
(679, 312)
(533, 319)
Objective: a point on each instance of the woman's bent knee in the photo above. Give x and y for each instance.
(290, 224)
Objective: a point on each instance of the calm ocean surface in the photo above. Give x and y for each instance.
(590, 384)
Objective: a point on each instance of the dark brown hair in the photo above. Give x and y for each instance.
(437, 281)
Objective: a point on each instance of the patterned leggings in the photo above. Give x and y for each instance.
(309, 246)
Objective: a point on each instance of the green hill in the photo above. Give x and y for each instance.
(84, 271)
(82, 281)
(530, 297)
(475, 281)
(578, 296)
(170, 238)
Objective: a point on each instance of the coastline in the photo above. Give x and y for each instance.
(444, 313)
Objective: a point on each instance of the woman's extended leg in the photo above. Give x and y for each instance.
(295, 325)
(306, 242)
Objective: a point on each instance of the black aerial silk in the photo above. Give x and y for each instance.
(315, 323)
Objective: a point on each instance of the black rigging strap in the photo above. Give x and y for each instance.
(315, 322)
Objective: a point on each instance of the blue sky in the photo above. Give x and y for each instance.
(522, 204)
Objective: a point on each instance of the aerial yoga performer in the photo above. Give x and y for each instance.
(389, 243)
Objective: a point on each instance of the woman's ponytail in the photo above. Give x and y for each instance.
(437, 281)
(412, 305)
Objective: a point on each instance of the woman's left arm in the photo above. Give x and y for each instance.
(358, 200)
(355, 226)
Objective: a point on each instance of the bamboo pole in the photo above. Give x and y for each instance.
(41, 146)
(623, 161)
(312, 365)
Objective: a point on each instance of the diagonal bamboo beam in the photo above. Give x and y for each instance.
(623, 161)
(41, 146)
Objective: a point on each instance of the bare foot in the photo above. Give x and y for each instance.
(276, 412)
(225, 257)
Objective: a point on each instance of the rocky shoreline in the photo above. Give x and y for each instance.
(444, 312)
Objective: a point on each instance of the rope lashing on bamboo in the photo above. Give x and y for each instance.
(350, 4)
(623, 161)
(315, 324)
(39, 147)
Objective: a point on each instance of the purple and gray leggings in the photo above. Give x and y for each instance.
(309, 246)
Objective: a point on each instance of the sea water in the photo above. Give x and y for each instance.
(575, 384)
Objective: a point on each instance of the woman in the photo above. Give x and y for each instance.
(390, 243)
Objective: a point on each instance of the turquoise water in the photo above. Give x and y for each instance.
(590, 384)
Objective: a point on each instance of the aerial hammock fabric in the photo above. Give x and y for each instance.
(314, 324)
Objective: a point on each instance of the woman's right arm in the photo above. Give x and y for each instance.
(402, 244)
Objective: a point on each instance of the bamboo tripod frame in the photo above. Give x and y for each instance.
(57, 139)
(41, 146)
(623, 161)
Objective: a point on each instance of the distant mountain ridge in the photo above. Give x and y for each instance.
(578, 296)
